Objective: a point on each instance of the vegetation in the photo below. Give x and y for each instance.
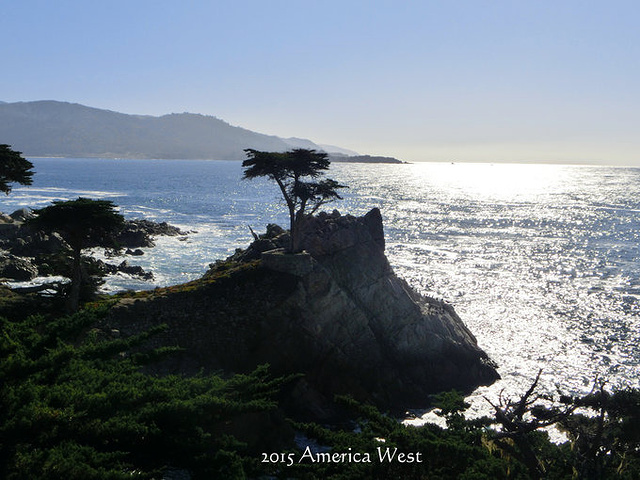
(604, 442)
(82, 223)
(289, 170)
(14, 168)
(75, 405)
(430, 452)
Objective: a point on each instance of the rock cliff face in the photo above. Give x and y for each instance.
(336, 313)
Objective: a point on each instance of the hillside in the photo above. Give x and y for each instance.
(51, 128)
(336, 157)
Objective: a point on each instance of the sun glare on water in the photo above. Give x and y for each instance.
(498, 182)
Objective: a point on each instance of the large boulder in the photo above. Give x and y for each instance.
(34, 244)
(22, 214)
(336, 313)
(140, 233)
(16, 268)
(22, 240)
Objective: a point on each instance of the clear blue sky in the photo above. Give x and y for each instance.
(484, 80)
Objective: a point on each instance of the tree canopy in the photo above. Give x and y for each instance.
(14, 168)
(289, 170)
(82, 223)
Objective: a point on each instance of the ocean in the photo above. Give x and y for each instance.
(542, 262)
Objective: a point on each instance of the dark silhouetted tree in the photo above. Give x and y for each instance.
(82, 223)
(14, 168)
(292, 171)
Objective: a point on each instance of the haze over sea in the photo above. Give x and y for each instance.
(542, 262)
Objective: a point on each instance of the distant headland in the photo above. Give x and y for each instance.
(59, 129)
(363, 159)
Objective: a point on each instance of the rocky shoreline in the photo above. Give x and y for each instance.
(26, 254)
(335, 313)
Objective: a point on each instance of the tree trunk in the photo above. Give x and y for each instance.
(292, 216)
(76, 282)
(293, 230)
(297, 227)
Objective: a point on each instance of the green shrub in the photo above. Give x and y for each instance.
(75, 405)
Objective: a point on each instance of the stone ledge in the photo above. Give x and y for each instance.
(298, 264)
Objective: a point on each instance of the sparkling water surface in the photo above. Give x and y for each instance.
(542, 262)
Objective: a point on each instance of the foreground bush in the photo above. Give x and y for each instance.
(75, 405)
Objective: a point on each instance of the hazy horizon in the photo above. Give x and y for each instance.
(464, 81)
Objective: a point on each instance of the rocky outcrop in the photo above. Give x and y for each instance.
(124, 267)
(140, 233)
(24, 252)
(17, 268)
(336, 313)
(19, 245)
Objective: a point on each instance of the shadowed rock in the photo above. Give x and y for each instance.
(16, 268)
(336, 313)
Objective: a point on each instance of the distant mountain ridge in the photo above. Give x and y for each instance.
(337, 157)
(51, 128)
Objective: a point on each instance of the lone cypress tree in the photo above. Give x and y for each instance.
(82, 223)
(14, 168)
(288, 170)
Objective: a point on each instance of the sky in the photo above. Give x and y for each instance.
(448, 80)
